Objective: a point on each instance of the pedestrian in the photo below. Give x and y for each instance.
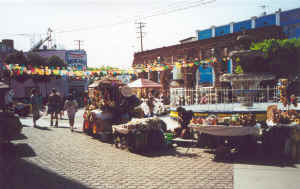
(54, 106)
(150, 103)
(36, 103)
(71, 107)
(61, 108)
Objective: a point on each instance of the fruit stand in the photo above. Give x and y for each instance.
(112, 103)
(140, 135)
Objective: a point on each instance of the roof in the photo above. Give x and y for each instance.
(144, 83)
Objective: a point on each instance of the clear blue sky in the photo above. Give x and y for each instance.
(107, 27)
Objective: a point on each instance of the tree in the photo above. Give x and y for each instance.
(55, 61)
(36, 60)
(281, 57)
(16, 58)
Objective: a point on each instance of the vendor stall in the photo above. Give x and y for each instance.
(112, 103)
(140, 135)
(281, 137)
(143, 86)
(10, 126)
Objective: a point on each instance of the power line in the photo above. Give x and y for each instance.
(183, 6)
(175, 7)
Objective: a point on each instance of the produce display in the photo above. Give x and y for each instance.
(143, 124)
(140, 135)
(276, 116)
(234, 120)
(112, 103)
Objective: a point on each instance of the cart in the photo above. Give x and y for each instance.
(10, 126)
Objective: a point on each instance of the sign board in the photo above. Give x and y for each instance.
(77, 59)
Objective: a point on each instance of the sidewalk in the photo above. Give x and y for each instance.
(266, 177)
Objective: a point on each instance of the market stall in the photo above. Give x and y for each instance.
(238, 132)
(112, 102)
(143, 86)
(140, 135)
(10, 126)
(281, 137)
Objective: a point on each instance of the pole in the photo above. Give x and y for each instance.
(140, 27)
(79, 43)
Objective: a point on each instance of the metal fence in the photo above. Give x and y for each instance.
(210, 95)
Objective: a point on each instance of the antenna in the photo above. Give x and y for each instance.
(264, 7)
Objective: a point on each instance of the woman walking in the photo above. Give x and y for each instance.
(71, 108)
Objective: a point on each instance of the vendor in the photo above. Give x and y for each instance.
(184, 118)
(127, 103)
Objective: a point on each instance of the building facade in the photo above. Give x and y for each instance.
(76, 59)
(215, 42)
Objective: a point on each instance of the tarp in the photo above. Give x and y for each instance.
(144, 83)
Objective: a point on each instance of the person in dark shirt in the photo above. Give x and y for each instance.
(54, 106)
(184, 118)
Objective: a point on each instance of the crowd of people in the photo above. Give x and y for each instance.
(55, 105)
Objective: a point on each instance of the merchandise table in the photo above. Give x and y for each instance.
(221, 130)
(139, 135)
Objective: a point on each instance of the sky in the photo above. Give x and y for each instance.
(108, 29)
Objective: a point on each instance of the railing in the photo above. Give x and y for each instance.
(210, 95)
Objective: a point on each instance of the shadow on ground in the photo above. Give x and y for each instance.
(257, 157)
(170, 152)
(39, 127)
(21, 173)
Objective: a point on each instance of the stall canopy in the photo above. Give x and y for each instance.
(3, 85)
(144, 83)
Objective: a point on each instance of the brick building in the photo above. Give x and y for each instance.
(218, 47)
(216, 42)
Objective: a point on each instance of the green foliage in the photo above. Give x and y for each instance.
(281, 57)
(16, 58)
(271, 47)
(238, 70)
(55, 61)
(36, 60)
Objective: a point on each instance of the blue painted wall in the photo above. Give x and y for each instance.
(268, 20)
(290, 20)
(290, 17)
(240, 26)
(223, 30)
(206, 74)
(205, 34)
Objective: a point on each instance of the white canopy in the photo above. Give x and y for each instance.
(144, 83)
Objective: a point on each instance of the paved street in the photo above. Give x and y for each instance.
(52, 158)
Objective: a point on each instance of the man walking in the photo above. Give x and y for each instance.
(36, 102)
(54, 106)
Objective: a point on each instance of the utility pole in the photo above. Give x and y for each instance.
(140, 27)
(79, 42)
